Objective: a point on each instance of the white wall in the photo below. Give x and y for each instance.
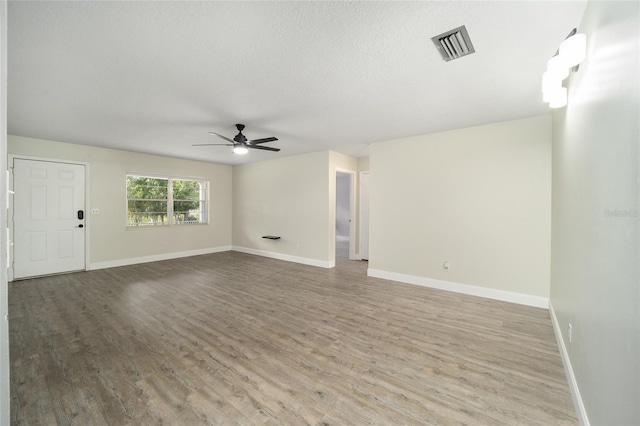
(286, 197)
(595, 279)
(478, 197)
(4, 308)
(111, 243)
(293, 198)
(363, 166)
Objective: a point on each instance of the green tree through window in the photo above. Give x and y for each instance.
(186, 201)
(153, 201)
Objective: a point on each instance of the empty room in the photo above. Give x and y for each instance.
(320, 212)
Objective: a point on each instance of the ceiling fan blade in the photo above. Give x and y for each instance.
(264, 140)
(212, 144)
(264, 148)
(223, 137)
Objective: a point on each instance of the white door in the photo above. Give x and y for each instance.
(48, 218)
(364, 215)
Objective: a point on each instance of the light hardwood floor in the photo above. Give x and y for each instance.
(231, 338)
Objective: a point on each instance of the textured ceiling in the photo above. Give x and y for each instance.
(156, 77)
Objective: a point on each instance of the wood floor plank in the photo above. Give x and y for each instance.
(231, 338)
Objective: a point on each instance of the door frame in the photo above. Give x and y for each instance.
(352, 211)
(87, 216)
(360, 213)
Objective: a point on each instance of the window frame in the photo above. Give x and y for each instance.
(171, 221)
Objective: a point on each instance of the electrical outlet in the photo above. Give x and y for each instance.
(570, 333)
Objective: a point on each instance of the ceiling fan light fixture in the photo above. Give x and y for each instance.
(241, 144)
(240, 149)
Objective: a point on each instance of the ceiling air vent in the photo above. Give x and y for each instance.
(454, 44)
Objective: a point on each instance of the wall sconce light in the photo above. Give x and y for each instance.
(570, 54)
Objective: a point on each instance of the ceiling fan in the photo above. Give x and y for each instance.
(241, 144)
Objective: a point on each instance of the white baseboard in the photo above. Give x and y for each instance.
(573, 384)
(156, 257)
(490, 293)
(287, 257)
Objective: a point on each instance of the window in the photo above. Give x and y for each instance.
(189, 201)
(158, 201)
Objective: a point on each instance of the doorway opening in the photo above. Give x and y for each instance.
(345, 207)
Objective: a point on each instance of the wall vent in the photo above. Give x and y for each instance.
(454, 44)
